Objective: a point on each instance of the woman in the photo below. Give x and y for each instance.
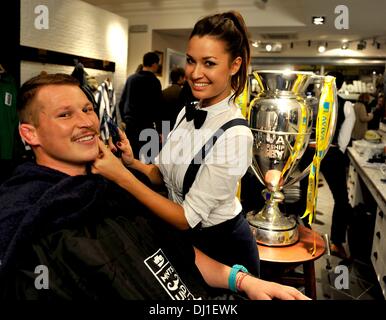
(202, 196)
(361, 117)
(378, 110)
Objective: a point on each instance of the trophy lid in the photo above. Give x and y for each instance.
(286, 81)
(286, 71)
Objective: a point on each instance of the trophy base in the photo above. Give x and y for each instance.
(273, 235)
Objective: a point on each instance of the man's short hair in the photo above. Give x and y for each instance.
(339, 78)
(176, 74)
(150, 58)
(29, 89)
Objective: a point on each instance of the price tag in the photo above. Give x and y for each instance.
(8, 99)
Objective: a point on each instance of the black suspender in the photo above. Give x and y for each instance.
(195, 164)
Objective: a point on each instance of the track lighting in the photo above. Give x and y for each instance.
(361, 45)
(267, 46)
(344, 45)
(322, 48)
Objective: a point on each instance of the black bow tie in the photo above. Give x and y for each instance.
(198, 116)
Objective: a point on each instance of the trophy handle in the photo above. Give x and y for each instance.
(257, 174)
(299, 177)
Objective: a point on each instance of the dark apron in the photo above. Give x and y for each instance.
(230, 242)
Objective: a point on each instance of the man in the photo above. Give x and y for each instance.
(68, 234)
(171, 96)
(140, 103)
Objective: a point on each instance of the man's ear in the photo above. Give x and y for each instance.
(29, 134)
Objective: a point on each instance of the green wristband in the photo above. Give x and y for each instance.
(232, 276)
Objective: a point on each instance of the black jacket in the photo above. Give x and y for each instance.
(95, 239)
(141, 101)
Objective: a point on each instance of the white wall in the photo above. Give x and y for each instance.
(139, 44)
(162, 42)
(78, 28)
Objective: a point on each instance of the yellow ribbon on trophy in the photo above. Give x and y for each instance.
(242, 100)
(323, 135)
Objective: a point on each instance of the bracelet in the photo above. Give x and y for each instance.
(239, 280)
(232, 276)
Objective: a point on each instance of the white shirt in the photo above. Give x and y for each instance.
(212, 196)
(347, 126)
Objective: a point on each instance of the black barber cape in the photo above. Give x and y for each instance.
(96, 241)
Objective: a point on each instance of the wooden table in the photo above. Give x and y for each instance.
(277, 261)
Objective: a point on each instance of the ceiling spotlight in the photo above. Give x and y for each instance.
(361, 45)
(318, 20)
(255, 44)
(321, 48)
(344, 46)
(265, 47)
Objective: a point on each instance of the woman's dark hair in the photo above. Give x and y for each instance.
(364, 98)
(230, 28)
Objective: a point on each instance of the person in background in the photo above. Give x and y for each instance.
(333, 168)
(362, 117)
(140, 104)
(378, 110)
(171, 97)
(68, 234)
(202, 189)
(139, 68)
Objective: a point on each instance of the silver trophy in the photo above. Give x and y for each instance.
(281, 122)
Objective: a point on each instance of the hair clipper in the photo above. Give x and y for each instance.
(114, 133)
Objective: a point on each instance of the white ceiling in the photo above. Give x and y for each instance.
(367, 19)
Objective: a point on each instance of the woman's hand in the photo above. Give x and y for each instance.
(216, 275)
(124, 145)
(257, 289)
(107, 164)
